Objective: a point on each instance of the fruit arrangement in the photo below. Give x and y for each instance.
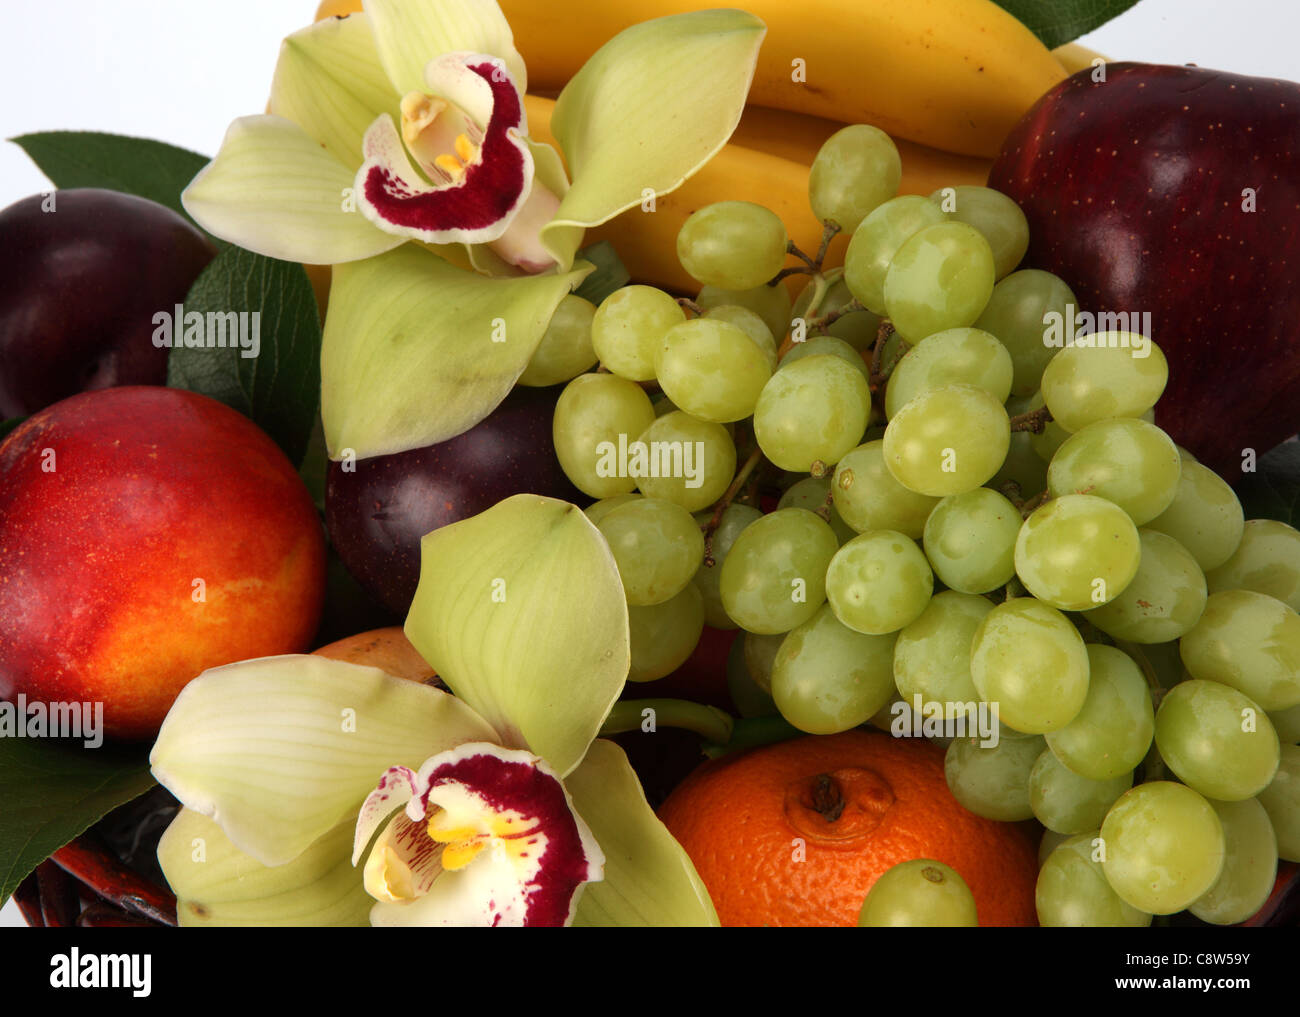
(661, 469)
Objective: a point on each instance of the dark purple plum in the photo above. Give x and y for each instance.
(83, 280)
(377, 514)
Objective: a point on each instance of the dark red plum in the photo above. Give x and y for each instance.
(85, 271)
(377, 514)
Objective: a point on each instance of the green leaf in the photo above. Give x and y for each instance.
(649, 880)
(418, 351)
(651, 107)
(520, 610)
(8, 425)
(1273, 490)
(216, 884)
(279, 387)
(51, 792)
(1057, 22)
(611, 274)
(150, 169)
(281, 750)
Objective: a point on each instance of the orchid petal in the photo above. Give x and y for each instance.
(491, 188)
(330, 82)
(651, 107)
(409, 35)
(280, 750)
(404, 863)
(649, 880)
(417, 351)
(216, 884)
(521, 611)
(274, 190)
(396, 788)
(521, 852)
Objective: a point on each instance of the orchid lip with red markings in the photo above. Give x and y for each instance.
(468, 138)
(488, 836)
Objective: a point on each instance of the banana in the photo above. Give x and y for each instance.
(1075, 58)
(952, 74)
(647, 240)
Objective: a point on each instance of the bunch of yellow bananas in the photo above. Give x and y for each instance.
(947, 79)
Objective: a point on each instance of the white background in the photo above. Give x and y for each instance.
(181, 70)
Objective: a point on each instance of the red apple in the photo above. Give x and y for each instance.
(1176, 191)
(147, 534)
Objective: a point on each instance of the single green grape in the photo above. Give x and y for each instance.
(1029, 661)
(932, 655)
(749, 698)
(1250, 641)
(1047, 843)
(1067, 803)
(877, 240)
(828, 344)
(711, 369)
(628, 327)
(992, 213)
(856, 169)
(749, 322)
(970, 539)
(827, 678)
(598, 510)
(593, 412)
(708, 579)
(869, 498)
(695, 460)
(920, 893)
(993, 781)
(1281, 800)
(957, 356)
(664, 635)
(1163, 601)
(1216, 740)
(760, 654)
(942, 277)
(1265, 560)
(811, 411)
(1164, 847)
(1077, 552)
(774, 577)
(734, 245)
(947, 440)
(1122, 459)
(814, 494)
(565, 350)
(1113, 729)
(771, 303)
(1019, 313)
(1072, 890)
(878, 582)
(1205, 517)
(857, 328)
(657, 546)
(1122, 375)
(1249, 865)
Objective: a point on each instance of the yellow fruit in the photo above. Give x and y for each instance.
(1074, 57)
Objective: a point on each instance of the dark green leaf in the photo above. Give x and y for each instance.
(611, 274)
(315, 465)
(1057, 22)
(279, 388)
(1273, 490)
(8, 425)
(150, 169)
(53, 791)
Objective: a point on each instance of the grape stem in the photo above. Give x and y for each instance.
(736, 484)
(830, 229)
(753, 732)
(1027, 507)
(1033, 420)
(823, 323)
(1011, 491)
(708, 722)
(792, 248)
(787, 272)
(691, 306)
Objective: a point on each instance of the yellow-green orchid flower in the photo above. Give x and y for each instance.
(319, 792)
(397, 150)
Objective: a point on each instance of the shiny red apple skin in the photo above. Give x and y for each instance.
(377, 514)
(112, 504)
(1136, 191)
(82, 282)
